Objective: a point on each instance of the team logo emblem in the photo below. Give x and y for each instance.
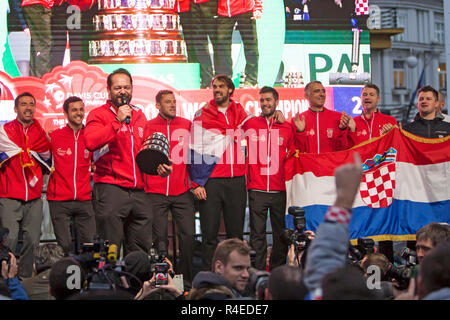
(330, 133)
(141, 132)
(364, 132)
(378, 181)
(311, 132)
(280, 141)
(86, 153)
(61, 152)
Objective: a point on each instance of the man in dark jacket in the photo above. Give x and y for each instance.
(428, 123)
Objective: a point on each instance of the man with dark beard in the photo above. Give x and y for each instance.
(114, 132)
(224, 189)
(268, 144)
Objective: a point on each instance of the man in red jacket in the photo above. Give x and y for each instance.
(268, 143)
(318, 128)
(37, 14)
(114, 132)
(225, 189)
(23, 147)
(199, 21)
(172, 193)
(243, 14)
(371, 123)
(69, 188)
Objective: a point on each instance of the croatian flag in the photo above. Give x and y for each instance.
(211, 136)
(405, 185)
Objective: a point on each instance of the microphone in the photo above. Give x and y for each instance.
(124, 99)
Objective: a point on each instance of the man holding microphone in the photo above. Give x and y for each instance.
(114, 132)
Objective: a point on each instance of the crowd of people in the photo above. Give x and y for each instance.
(130, 209)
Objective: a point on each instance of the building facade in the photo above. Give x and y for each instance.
(419, 48)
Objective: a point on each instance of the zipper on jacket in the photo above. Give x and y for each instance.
(132, 156)
(370, 128)
(269, 128)
(26, 184)
(318, 131)
(75, 165)
(23, 169)
(231, 148)
(168, 138)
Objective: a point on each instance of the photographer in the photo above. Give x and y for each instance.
(45, 256)
(169, 291)
(295, 257)
(9, 275)
(433, 282)
(230, 275)
(429, 237)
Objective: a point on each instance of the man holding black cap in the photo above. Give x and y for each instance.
(114, 133)
(172, 193)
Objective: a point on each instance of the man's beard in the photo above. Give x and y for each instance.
(117, 100)
(222, 99)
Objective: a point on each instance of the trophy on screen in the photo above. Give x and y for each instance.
(131, 27)
(154, 151)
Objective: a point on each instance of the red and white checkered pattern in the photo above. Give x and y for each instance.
(362, 7)
(339, 215)
(377, 186)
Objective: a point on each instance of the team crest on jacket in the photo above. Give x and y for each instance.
(330, 133)
(141, 132)
(311, 132)
(86, 153)
(378, 181)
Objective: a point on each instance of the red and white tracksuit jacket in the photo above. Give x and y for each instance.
(232, 163)
(322, 133)
(370, 128)
(268, 144)
(70, 179)
(229, 8)
(17, 172)
(177, 131)
(115, 146)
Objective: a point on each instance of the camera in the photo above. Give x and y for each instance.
(297, 236)
(363, 247)
(403, 273)
(99, 259)
(161, 274)
(258, 282)
(158, 265)
(4, 250)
